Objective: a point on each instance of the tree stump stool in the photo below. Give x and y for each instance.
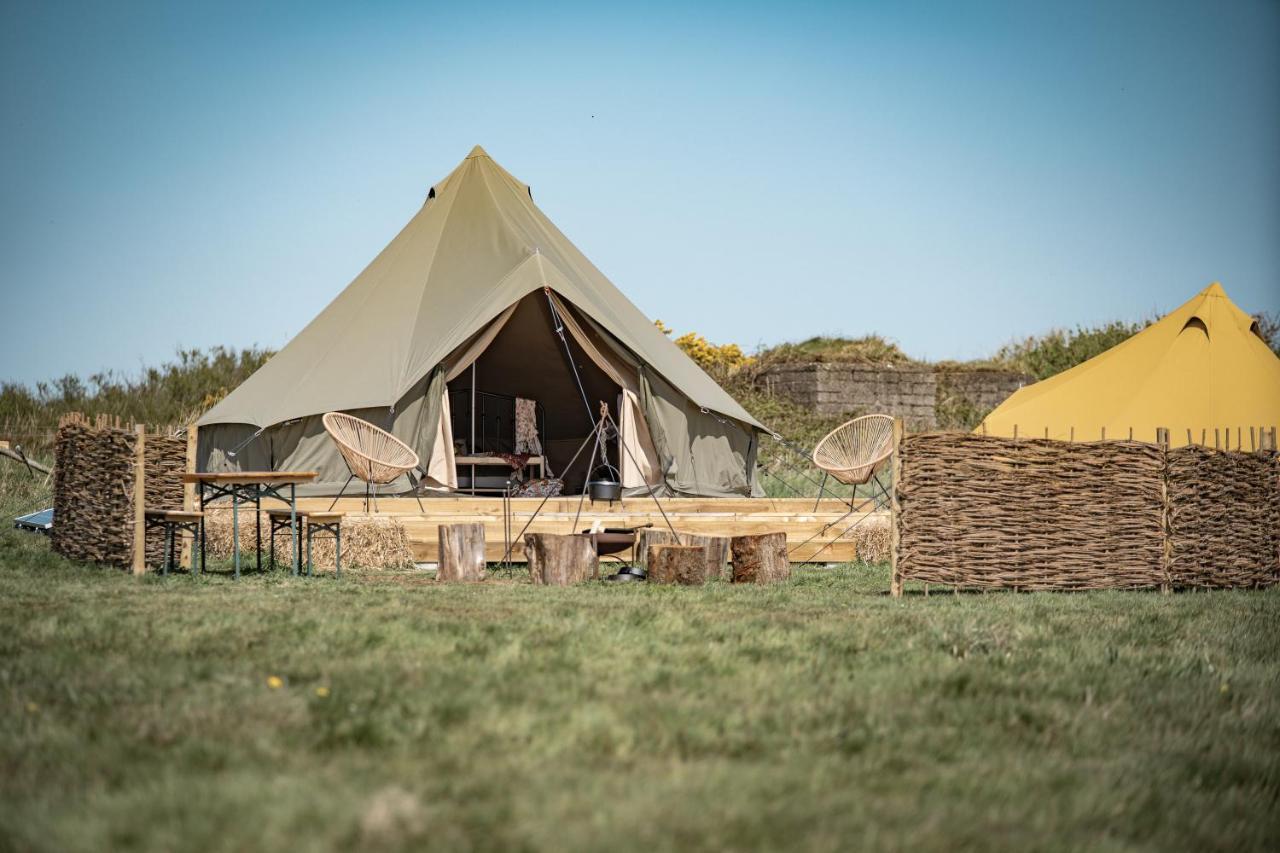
(682, 564)
(461, 553)
(559, 560)
(715, 547)
(761, 558)
(715, 550)
(646, 539)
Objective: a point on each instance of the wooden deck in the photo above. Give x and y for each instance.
(797, 517)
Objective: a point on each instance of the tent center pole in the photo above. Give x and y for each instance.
(473, 425)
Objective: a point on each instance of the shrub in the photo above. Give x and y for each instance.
(718, 360)
(1046, 355)
(176, 392)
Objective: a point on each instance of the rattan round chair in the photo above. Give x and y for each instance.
(373, 455)
(853, 451)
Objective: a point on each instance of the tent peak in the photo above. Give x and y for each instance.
(1214, 289)
(478, 152)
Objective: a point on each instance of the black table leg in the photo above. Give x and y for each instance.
(293, 529)
(257, 522)
(201, 526)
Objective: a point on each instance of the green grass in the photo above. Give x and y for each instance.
(820, 714)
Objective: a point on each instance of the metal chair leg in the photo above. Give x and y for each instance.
(168, 548)
(337, 548)
(883, 500)
(821, 488)
(340, 491)
(310, 535)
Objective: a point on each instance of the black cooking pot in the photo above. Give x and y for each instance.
(603, 487)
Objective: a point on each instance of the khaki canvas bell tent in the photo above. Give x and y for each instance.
(478, 302)
(1202, 370)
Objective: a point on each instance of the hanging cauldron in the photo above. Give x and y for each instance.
(604, 484)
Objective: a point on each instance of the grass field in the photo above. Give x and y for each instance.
(386, 711)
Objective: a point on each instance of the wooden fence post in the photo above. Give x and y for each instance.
(139, 500)
(1162, 438)
(895, 579)
(189, 493)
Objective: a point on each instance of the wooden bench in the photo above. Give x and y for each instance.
(173, 522)
(327, 523)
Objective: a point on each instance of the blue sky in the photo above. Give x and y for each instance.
(950, 175)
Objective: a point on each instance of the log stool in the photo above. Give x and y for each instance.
(677, 564)
(173, 523)
(560, 560)
(325, 523)
(461, 556)
(761, 558)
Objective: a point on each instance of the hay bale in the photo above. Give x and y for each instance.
(871, 536)
(373, 542)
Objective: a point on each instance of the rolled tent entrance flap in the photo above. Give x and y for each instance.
(637, 457)
(438, 296)
(442, 471)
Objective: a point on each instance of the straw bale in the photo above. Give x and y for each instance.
(871, 537)
(374, 542)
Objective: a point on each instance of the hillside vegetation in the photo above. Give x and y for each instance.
(178, 391)
(175, 393)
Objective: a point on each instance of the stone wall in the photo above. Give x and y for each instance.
(916, 393)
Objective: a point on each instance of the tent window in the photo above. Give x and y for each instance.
(1197, 324)
(1256, 328)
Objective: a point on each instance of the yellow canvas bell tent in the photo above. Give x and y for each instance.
(1202, 368)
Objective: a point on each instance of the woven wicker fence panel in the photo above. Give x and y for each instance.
(93, 494)
(1224, 518)
(93, 490)
(982, 512)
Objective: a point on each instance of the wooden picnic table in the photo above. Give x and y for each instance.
(251, 486)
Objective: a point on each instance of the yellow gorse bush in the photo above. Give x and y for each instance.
(716, 359)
